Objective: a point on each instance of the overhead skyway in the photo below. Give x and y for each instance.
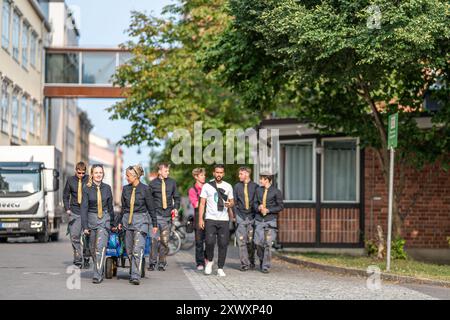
(74, 72)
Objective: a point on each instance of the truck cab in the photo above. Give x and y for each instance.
(27, 201)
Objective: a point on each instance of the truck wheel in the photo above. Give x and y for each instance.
(3, 240)
(109, 268)
(143, 268)
(43, 238)
(54, 237)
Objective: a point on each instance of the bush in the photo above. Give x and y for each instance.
(371, 248)
(398, 249)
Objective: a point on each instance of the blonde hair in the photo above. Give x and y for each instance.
(136, 170)
(91, 175)
(198, 171)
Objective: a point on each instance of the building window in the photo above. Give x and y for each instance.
(31, 116)
(298, 167)
(38, 121)
(16, 35)
(25, 38)
(5, 108)
(33, 49)
(24, 118)
(6, 13)
(340, 170)
(15, 115)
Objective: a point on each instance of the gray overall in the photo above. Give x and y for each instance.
(244, 235)
(135, 238)
(99, 240)
(265, 233)
(161, 247)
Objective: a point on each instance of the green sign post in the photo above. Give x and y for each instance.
(392, 144)
(393, 130)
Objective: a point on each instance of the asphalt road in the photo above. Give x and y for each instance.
(30, 270)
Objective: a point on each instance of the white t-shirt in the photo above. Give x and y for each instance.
(212, 198)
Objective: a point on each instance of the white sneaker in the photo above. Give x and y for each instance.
(220, 273)
(200, 267)
(208, 267)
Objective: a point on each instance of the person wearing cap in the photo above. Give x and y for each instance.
(167, 203)
(137, 211)
(72, 196)
(97, 218)
(268, 204)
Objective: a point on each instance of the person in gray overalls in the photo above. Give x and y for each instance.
(72, 196)
(244, 212)
(269, 202)
(97, 217)
(167, 203)
(137, 209)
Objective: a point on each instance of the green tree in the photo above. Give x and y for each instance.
(345, 66)
(167, 86)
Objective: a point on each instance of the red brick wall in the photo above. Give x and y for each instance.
(428, 223)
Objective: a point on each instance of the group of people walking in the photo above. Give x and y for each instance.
(147, 210)
(253, 207)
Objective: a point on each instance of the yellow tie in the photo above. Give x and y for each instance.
(163, 194)
(264, 202)
(247, 202)
(99, 203)
(133, 198)
(79, 194)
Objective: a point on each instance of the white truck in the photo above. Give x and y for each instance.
(29, 198)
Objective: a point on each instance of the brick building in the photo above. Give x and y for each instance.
(335, 194)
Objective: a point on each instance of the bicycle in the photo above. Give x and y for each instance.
(179, 236)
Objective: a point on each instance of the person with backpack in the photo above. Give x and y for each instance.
(215, 200)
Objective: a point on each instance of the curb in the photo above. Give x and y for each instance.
(361, 273)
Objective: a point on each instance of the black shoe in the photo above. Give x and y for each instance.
(252, 266)
(97, 281)
(265, 270)
(78, 264)
(243, 268)
(151, 267)
(162, 267)
(136, 282)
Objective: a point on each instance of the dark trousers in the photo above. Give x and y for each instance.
(199, 242)
(217, 231)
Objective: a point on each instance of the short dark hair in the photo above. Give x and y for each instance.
(163, 165)
(247, 169)
(266, 176)
(219, 166)
(81, 166)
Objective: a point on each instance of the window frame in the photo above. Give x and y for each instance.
(24, 124)
(15, 121)
(25, 50)
(314, 168)
(19, 26)
(5, 122)
(7, 45)
(357, 176)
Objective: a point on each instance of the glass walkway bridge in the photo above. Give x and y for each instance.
(74, 72)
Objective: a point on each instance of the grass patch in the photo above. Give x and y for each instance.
(406, 267)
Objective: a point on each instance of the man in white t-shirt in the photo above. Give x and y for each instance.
(217, 197)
